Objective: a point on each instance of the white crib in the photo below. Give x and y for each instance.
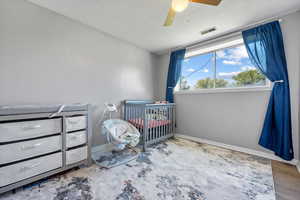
(156, 122)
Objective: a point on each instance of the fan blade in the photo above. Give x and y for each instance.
(170, 17)
(209, 2)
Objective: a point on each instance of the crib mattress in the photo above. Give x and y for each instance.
(139, 123)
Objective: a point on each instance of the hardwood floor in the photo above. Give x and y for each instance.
(286, 180)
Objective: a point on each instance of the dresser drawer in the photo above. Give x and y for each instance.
(23, 170)
(14, 131)
(76, 123)
(22, 150)
(75, 139)
(76, 155)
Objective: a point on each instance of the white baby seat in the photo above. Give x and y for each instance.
(120, 133)
(122, 136)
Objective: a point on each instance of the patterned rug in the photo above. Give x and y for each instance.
(175, 170)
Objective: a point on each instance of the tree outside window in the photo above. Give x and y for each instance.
(225, 68)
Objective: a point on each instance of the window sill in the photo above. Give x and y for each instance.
(225, 90)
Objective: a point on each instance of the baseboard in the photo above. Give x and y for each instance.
(240, 149)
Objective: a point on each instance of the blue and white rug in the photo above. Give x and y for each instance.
(175, 170)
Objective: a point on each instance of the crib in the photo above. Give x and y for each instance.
(156, 122)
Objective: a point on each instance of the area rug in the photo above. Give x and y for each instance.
(174, 170)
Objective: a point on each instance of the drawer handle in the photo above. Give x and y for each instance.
(26, 168)
(31, 146)
(78, 136)
(74, 137)
(27, 128)
(74, 121)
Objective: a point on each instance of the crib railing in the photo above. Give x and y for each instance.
(156, 122)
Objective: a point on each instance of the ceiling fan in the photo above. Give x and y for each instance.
(181, 5)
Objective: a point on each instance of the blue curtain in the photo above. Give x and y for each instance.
(265, 47)
(174, 73)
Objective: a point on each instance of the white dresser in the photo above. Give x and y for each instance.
(35, 144)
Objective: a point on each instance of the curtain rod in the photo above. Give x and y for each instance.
(232, 33)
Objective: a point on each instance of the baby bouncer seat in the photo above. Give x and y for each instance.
(120, 133)
(122, 138)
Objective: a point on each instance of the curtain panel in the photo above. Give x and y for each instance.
(174, 73)
(265, 48)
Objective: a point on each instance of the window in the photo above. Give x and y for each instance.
(227, 68)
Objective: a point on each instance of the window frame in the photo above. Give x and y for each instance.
(177, 90)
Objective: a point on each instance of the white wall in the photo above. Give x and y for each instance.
(235, 118)
(46, 58)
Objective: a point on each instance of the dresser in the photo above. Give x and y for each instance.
(40, 141)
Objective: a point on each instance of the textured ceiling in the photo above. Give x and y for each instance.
(140, 21)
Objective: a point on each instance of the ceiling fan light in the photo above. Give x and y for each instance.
(179, 5)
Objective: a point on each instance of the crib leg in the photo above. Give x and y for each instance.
(144, 143)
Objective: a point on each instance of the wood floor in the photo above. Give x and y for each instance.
(286, 180)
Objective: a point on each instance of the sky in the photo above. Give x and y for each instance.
(230, 62)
